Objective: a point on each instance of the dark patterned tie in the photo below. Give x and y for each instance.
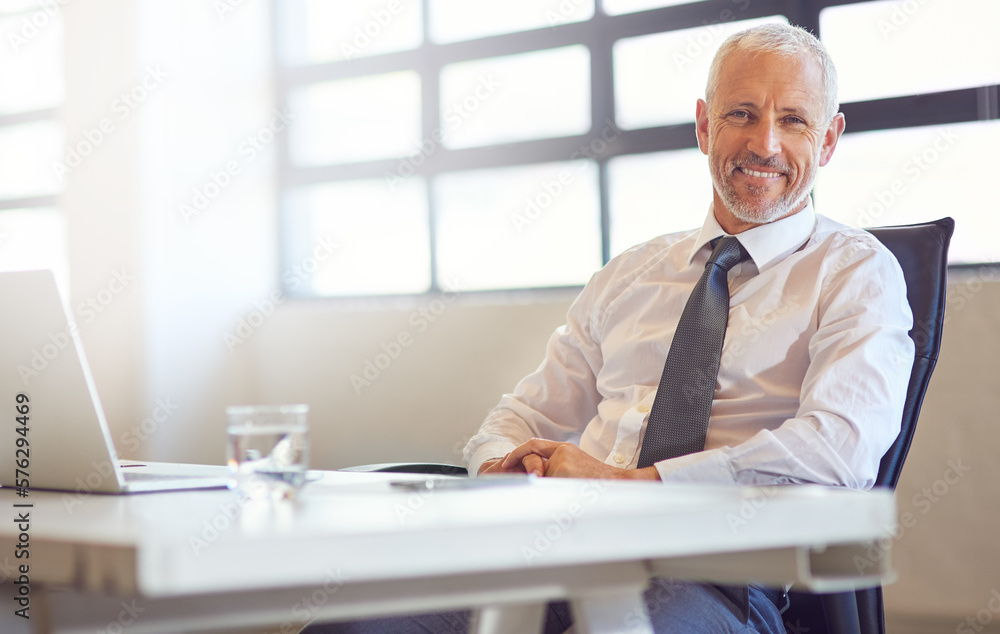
(679, 417)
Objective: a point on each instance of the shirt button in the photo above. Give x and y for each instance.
(619, 458)
(643, 408)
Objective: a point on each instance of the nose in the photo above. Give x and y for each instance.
(765, 140)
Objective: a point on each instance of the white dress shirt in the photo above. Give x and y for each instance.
(814, 369)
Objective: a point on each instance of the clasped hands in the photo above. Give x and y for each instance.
(560, 460)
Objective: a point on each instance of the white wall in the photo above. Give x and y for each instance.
(161, 340)
(102, 201)
(179, 88)
(947, 556)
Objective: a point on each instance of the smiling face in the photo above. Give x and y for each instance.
(765, 134)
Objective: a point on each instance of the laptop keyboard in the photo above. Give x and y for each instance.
(138, 476)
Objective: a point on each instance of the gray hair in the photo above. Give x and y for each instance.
(781, 39)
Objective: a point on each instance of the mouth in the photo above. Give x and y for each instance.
(759, 174)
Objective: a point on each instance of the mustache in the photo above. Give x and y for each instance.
(767, 164)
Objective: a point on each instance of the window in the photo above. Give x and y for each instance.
(478, 146)
(918, 85)
(32, 230)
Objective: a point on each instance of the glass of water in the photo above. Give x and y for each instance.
(268, 450)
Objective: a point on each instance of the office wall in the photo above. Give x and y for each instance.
(172, 225)
(947, 549)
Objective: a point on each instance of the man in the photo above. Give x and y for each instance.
(816, 356)
(815, 359)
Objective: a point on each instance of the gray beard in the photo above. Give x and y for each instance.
(746, 210)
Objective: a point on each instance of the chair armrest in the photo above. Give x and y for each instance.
(430, 468)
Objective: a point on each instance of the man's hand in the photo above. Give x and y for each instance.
(493, 466)
(565, 460)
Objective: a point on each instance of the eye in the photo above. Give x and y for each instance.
(795, 120)
(738, 115)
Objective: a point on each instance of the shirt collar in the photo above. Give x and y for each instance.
(767, 244)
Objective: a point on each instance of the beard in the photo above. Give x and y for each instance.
(750, 204)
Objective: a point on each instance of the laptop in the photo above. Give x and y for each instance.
(48, 392)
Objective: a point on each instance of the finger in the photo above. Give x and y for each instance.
(490, 465)
(533, 463)
(543, 448)
(496, 467)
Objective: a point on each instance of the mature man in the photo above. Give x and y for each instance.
(813, 367)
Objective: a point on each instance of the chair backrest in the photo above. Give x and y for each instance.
(922, 253)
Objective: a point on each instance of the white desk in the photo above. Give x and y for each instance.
(353, 546)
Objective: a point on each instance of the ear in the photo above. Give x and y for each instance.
(830, 138)
(701, 125)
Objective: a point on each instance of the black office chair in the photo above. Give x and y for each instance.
(922, 252)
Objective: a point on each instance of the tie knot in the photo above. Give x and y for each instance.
(727, 253)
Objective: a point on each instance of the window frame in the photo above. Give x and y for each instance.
(599, 35)
(47, 201)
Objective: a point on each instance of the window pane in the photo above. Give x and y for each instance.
(359, 119)
(29, 151)
(34, 239)
(379, 232)
(516, 98)
(518, 227)
(315, 31)
(31, 70)
(888, 49)
(617, 7)
(454, 20)
(653, 194)
(911, 175)
(660, 77)
(15, 6)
